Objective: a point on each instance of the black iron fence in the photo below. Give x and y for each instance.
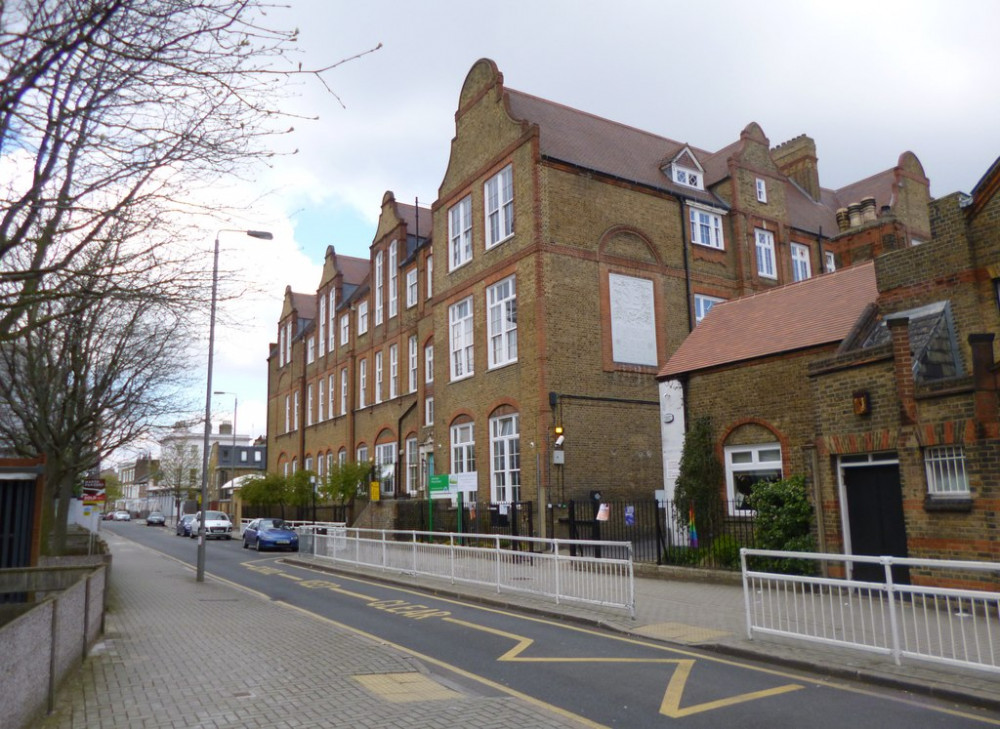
(515, 519)
(658, 533)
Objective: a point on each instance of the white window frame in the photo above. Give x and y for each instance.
(343, 391)
(501, 314)
(393, 279)
(412, 368)
(393, 371)
(463, 448)
(378, 377)
(706, 229)
(282, 349)
(688, 177)
(429, 411)
(378, 288)
(362, 382)
(295, 410)
(411, 288)
(362, 317)
(702, 304)
(830, 261)
(345, 329)
(342, 458)
(311, 350)
(429, 363)
(766, 264)
(460, 337)
(430, 276)
(333, 321)
(762, 459)
(320, 400)
(361, 454)
(801, 266)
(761, 190)
(288, 413)
(947, 477)
(321, 334)
(309, 404)
(505, 458)
(498, 201)
(412, 466)
(332, 391)
(460, 233)
(385, 466)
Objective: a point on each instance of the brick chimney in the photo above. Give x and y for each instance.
(796, 158)
(899, 328)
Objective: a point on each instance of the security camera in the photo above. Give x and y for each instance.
(560, 440)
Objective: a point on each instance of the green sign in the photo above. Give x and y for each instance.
(438, 482)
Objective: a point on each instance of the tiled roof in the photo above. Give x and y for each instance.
(817, 311)
(409, 215)
(354, 269)
(304, 305)
(595, 143)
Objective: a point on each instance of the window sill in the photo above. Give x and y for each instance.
(491, 246)
(934, 503)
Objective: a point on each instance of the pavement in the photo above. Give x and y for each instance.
(143, 673)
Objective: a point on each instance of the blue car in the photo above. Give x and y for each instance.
(264, 534)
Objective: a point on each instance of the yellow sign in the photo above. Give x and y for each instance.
(373, 491)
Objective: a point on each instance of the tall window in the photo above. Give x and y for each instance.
(411, 288)
(378, 377)
(288, 414)
(362, 317)
(761, 190)
(393, 371)
(411, 379)
(463, 448)
(706, 229)
(343, 391)
(309, 404)
(378, 287)
(801, 270)
(501, 303)
(311, 350)
(830, 261)
(345, 329)
(282, 349)
(393, 279)
(412, 466)
(330, 396)
(505, 458)
(702, 304)
(333, 328)
(361, 454)
(460, 233)
(385, 467)
(946, 475)
(295, 410)
(765, 254)
(460, 321)
(321, 336)
(362, 383)
(428, 411)
(430, 276)
(342, 457)
(499, 197)
(429, 363)
(747, 465)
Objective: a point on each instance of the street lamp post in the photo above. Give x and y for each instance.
(262, 235)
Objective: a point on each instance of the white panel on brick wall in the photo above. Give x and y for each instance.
(633, 320)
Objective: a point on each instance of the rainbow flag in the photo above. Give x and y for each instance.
(692, 529)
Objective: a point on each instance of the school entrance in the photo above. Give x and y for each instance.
(872, 492)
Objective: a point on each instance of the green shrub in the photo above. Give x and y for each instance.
(784, 522)
(724, 552)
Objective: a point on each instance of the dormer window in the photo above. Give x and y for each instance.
(688, 177)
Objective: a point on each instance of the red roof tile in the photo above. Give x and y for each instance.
(817, 311)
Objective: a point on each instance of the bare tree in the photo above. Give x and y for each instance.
(112, 112)
(90, 381)
(180, 470)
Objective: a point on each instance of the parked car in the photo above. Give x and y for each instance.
(217, 525)
(123, 516)
(109, 515)
(156, 518)
(270, 534)
(184, 525)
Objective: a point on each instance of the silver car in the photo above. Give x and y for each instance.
(217, 525)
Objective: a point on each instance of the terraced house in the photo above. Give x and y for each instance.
(565, 258)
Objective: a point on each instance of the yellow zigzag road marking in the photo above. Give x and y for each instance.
(671, 704)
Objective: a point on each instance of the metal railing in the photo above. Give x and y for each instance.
(947, 625)
(526, 565)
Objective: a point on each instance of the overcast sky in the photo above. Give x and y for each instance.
(866, 80)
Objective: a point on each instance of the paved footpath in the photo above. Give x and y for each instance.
(144, 672)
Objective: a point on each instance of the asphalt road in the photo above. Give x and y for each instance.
(604, 678)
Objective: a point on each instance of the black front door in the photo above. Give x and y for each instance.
(875, 515)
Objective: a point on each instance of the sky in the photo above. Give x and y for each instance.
(866, 80)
